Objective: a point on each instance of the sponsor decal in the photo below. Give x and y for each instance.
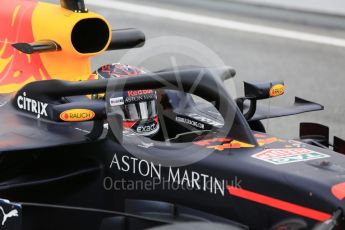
(134, 93)
(144, 127)
(190, 122)
(191, 179)
(31, 105)
(134, 96)
(205, 120)
(116, 101)
(231, 145)
(77, 115)
(277, 90)
(264, 140)
(12, 213)
(291, 155)
(223, 143)
(147, 128)
(267, 141)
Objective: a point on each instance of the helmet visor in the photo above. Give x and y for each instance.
(140, 111)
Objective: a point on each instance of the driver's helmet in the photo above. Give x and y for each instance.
(138, 107)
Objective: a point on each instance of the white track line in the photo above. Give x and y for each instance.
(217, 22)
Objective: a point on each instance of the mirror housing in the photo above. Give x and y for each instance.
(263, 90)
(254, 91)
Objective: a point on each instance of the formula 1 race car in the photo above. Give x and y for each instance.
(121, 148)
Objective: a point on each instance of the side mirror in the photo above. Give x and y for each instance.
(254, 91)
(263, 90)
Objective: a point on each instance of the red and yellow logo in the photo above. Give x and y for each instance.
(277, 90)
(221, 144)
(17, 68)
(25, 21)
(74, 115)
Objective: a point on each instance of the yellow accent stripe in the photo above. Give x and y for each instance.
(42, 74)
(29, 58)
(4, 61)
(14, 16)
(3, 47)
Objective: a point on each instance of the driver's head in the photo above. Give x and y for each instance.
(138, 107)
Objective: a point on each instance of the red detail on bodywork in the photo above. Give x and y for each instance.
(279, 204)
(212, 141)
(267, 141)
(338, 190)
(16, 27)
(128, 124)
(156, 119)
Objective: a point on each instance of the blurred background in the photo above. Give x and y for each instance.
(299, 41)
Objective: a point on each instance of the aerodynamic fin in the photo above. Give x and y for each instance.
(339, 145)
(254, 91)
(37, 47)
(314, 133)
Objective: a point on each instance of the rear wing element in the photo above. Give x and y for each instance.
(300, 106)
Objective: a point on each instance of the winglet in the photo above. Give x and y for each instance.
(77, 6)
(37, 47)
